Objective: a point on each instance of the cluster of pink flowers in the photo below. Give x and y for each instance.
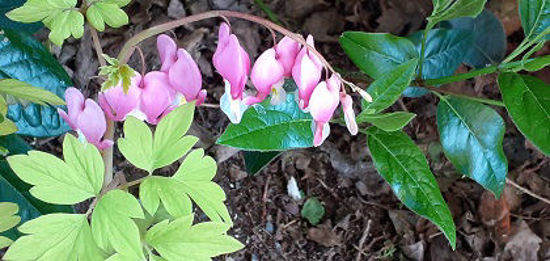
(179, 80)
(287, 59)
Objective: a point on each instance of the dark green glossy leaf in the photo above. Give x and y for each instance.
(392, 121)
(265, 127)
(527, 99)
(449, 9)
(535, 17)
(445, 49)
(402, 164)
(13, 189)
(255, 161)
(6, 23)
(377, 54)
(25, 59)
(387, 89)
(471, 135)
(489, 38)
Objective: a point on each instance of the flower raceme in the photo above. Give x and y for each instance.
(153, 95)
(86, 118)
(286, 59)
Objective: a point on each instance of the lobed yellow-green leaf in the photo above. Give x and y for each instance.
(55, 181)
(180, 240)
(60, 16)
(168, 145)
(8, 219)
(107, 12)
(112, 225)
(55, 237)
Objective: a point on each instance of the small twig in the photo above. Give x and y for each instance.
(264, 199)
(362, 240)
(528, 192)
(209, 105)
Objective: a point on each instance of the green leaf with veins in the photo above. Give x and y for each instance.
(449, 9)
(402, 164)
(471, 134)
(377, 54)
(169, 144)
(195, 178)
(80, 176)
(55, 237)
(285, 124)
(387, 89)
(535, 18)
(112, 225)
(180, 240)
(109, 12)
(61, 17)
(527, 100)
(8, 219)
(392, 121)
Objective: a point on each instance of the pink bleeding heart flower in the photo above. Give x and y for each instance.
(116, 104)
(157, 97)
(185, 77)
(349, 114)
(287, 50)
(231, 61)
(167, 51)
(323, 102)
(233, 64)
(86, 118)
(267, 72)
(306, 73)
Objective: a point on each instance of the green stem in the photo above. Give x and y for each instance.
(478, 72)
(437, 92)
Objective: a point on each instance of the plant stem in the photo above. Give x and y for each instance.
(479, 72)
(436, 91)
(107, 154)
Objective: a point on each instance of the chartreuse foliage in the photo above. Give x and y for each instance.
(121, 228)
(65, 19)
(8, 219)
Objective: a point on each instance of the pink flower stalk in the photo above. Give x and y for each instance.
(183, 73)
(349, 114)
(116, 104)
(233, 64)
(86, 118)
(306, 73)
(323, 102)
(157, 98)
(271, 68)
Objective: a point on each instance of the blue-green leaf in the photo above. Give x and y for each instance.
(25, 59)
(471, 135)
